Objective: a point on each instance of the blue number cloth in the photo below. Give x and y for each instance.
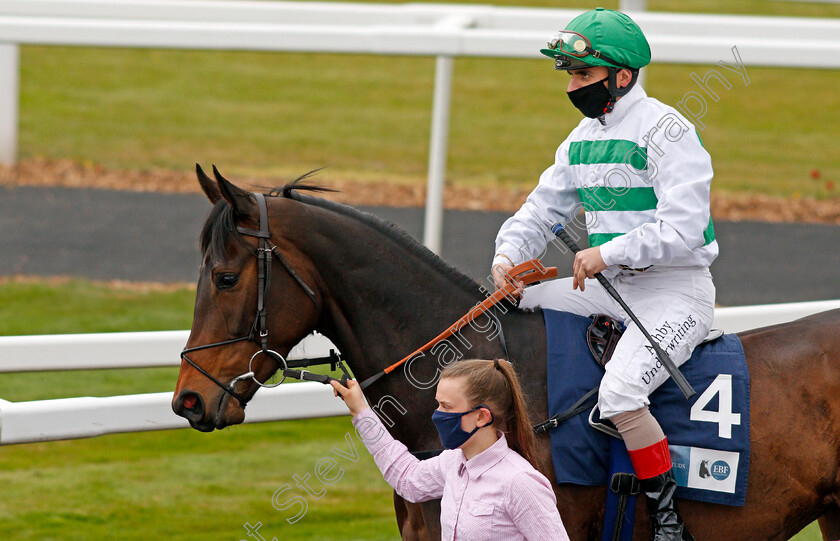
(709, 435)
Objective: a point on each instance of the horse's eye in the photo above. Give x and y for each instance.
(226, 281)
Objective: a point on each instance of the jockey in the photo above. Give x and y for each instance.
(638, 169)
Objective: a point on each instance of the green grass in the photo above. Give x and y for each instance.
(746, 7)
(34, 307)
(187, 485)
(368, 117)
(180, 484)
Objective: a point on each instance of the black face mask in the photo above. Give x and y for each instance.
(592, 100)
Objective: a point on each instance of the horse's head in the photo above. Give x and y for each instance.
(248, 312)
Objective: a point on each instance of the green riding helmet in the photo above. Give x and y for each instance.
(601, 37)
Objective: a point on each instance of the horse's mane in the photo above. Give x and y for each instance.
(291, 191)
(220, 227)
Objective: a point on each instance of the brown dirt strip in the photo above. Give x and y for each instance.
(117, 285)
(68, 173)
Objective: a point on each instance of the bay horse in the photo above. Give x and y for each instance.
(378, 295)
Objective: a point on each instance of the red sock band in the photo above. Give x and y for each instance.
(652, 460)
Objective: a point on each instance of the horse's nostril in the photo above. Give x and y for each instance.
(190, 406)
(190, 401)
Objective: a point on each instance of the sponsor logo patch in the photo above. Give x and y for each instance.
(707, 469)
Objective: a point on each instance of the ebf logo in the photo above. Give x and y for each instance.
(720, 470)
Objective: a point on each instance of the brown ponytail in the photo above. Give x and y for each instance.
(495, 383)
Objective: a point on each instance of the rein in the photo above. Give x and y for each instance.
(526, 273)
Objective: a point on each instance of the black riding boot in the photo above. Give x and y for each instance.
(667, 524)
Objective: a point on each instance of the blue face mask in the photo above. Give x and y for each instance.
(449, 428)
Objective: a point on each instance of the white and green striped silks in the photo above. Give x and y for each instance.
(643, 179)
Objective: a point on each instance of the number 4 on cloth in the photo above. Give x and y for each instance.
(724, 417)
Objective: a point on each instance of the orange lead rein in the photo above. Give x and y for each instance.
(526, 273)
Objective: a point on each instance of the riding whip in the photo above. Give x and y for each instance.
(663, 357)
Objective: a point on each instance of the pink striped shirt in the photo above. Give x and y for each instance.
(496, 495)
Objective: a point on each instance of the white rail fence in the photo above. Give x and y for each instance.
(440, 30)
(69, 418)
(85, 417)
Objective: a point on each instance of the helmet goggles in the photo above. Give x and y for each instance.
(566, 43)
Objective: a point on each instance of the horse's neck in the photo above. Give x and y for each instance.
(383, 299)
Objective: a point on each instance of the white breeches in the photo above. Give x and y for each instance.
(675, 305)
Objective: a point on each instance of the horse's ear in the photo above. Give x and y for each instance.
(211, 189)
(242, 201)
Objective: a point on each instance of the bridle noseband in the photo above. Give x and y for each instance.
(259, 329)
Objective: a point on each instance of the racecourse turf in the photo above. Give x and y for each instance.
(368, 117)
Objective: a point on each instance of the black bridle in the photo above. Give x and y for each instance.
(259, 330)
